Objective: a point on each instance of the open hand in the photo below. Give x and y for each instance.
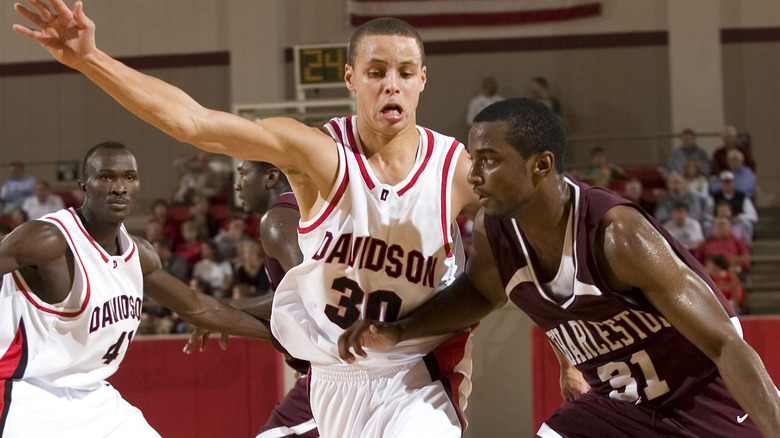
(68, 35)
(367, 333)
(201, 335)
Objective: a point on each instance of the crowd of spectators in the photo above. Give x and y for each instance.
(704, 201)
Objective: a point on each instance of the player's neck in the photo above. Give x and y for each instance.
(103, 233)
(391, 157)
(544, 223)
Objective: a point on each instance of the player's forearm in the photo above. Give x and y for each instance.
(258, 307)
(156, 102)
(455, 308)
(222, 318)
(748, 381)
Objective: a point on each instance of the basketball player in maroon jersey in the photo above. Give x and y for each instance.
(619, 299)
(265, 192)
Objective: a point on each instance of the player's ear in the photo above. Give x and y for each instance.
(349, 77)
(272, 177)
(423, 78)
(82, 185)
(545, 163)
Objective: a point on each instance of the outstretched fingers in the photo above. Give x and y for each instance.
(30, 15)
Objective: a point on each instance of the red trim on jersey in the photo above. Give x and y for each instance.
(331, 205)
(15, 356)
(26, 293)
(91, 240)
(132, 242)
(428, 154)
(358, 156)
(442, 363)
(444, 206)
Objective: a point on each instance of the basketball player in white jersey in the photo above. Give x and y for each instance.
(378, 196)
(70, 305)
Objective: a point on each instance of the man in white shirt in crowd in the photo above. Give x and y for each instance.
(42, 202)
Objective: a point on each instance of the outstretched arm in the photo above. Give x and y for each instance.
(70, 38)
(472, 296)
(195, 308)
(636, 254)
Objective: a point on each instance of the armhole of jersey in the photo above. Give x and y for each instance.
(339, 187)
(448, 173)
(78, 269)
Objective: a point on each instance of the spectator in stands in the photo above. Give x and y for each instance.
(171, 263)
(723, 242)
(686, 230)
(540, 90)
(600, 171)
(196, 177)
(724, 209)
(161, 223)
(633, 191)
(730, 142)
(217, 273)
(488, 95)
(229, 239)
(207, 225)
(727, 280)
(17, 188)
(677, 192)
(42, 202)
(688, 150)
(190, 246)
(698, 182)
(744, 177)
(250, 271)
(741, 204)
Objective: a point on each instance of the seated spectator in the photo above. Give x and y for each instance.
(161, 223)
(171, 263)
(632, 191)
(724, 209)
(677, 192)
(741, 204)
(489, 95)
(744, 178)
(600, 171)
(730, 142)
(212, 270)
(250, 271)
(698, 183)
(723, 242)
(42, 202)
(190, 246)
(196, 176)
(228, 240)
(688, 150)
(686, 230)
(17, 188)
(207, 225)
(540, 90)
(727, 281)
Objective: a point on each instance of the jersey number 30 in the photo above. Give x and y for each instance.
(381, 305)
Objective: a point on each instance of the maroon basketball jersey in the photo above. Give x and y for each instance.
(623, 346)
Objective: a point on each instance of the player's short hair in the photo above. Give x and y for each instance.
(383, 26)
(110, 144)
(532, 127)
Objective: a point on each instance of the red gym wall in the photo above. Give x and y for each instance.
(207, 394)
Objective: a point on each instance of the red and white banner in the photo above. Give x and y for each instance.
(430, 13)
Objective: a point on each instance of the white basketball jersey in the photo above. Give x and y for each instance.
(80, 341)
(374, 251)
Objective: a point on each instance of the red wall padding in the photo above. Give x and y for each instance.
(759, 332)
(207, 394)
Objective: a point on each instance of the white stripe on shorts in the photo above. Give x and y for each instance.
(283, 431)
(546, 432)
